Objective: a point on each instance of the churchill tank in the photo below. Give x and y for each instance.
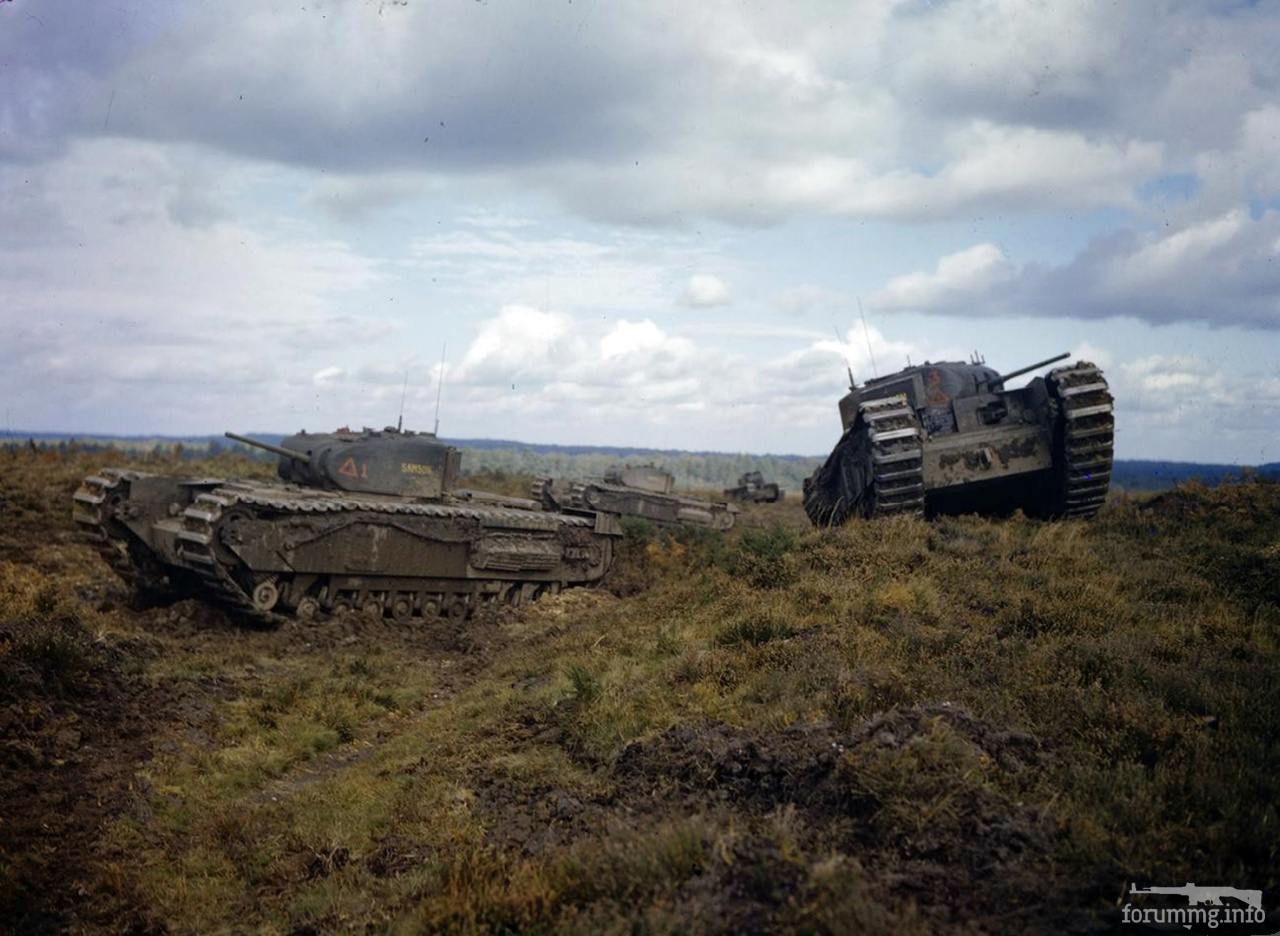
(368, 522)
(754, 489)
(643, 491)
(951, 438)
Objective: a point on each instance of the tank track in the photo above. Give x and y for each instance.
(875, 470)
(1084, 439)
(93, 510)
(198, 538)
(897, 456)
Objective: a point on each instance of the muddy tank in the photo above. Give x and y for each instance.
(368, 521)
(950, 438)
(643, 491)
(753, 489)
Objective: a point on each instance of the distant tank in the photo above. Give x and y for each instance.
(949, 438)
(753, 489)
(369, 521)
(644, 491)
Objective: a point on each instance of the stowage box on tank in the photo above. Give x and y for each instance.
(363, 521)
(949, 438)
(643, 491)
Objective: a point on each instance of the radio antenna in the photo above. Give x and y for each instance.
(444, 346)
(867, 336)
(403, 391)
(847, 366)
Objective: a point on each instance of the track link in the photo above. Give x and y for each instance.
(897, 456)
(1085, 438)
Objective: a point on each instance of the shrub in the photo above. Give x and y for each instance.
(763, 557)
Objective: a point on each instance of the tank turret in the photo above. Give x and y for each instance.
(396, 462)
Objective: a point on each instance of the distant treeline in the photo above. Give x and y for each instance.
(699, 470)
(1142, 475)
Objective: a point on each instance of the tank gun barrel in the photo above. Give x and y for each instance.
(268, 447)
(1028, 369)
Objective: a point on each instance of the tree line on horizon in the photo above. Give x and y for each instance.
(692, 470)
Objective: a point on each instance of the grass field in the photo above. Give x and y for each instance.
(954, 726)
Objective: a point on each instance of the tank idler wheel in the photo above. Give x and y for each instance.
(265, 596)
(308, 608)
(372, 609)
(402, 608)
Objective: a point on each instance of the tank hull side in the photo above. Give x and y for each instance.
(274, 551)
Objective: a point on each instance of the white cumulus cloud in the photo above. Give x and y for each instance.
(955, 283)
(705, 290)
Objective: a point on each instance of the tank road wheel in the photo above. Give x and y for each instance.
(372, 609)
(456, 609)
(342, 607)
(308, 609)
(1083, 439)
(265, 596)
(896, 457)
(402, 608)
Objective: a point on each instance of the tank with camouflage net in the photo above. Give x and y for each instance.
(952, 438)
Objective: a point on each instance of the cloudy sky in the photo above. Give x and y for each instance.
(633, 223)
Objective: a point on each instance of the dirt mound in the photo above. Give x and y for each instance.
(759, 769)
(925, 798)
(534, 819)
(1012, 750)
(805, 765)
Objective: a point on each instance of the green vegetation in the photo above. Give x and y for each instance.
(962, 725)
